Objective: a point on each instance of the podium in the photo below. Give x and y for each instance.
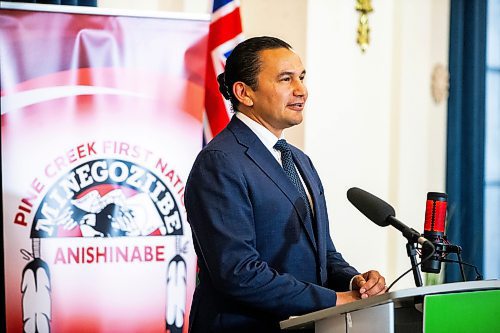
(454, 307)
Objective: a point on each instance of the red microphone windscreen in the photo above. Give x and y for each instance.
(435, 212)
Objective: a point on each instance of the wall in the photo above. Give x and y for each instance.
(371, 121)
(285, 19)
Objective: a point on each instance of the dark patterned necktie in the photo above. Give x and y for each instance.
(291, 172)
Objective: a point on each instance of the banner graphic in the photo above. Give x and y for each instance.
(101, 122)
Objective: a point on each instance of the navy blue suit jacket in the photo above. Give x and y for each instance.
(259, 261)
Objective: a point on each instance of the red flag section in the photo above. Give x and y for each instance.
(225, 33)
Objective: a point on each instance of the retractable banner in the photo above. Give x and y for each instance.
(101, 122)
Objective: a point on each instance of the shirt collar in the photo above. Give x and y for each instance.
(264, 135)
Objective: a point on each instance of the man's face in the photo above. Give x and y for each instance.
(278, 101)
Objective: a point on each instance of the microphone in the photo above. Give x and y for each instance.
(383, 214)
(434, 226)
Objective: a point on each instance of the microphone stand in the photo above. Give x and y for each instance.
(411, 250)
(450, 248)
(413, 237)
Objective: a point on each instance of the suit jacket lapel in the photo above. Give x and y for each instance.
(261, 156)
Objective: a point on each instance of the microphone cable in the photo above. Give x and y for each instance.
(408, 271)
(479, 276)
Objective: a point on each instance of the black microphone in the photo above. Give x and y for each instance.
(434, 226)
(383, 214)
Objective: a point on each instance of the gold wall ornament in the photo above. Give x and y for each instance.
(364, 7)
(440, 83)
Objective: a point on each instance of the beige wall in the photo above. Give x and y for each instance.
(285, 19)
(370, 120)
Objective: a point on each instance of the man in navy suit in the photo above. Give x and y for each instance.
(263, 241)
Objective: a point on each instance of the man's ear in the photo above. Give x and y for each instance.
(243, 93)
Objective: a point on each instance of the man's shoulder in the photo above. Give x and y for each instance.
(222, 141)
(235, 136)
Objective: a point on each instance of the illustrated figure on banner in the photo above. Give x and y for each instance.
(111, 215)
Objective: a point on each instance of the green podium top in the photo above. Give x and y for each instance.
(477, 311)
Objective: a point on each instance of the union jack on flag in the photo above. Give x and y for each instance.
(224, 34)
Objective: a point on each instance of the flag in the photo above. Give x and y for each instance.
(224, 34)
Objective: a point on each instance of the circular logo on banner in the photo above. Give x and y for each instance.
(107, 198)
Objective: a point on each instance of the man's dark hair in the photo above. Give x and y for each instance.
(244, 63)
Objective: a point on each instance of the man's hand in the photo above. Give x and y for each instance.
(369, 284)
(347, 297)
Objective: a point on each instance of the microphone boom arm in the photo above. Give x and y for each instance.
(410, 234)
